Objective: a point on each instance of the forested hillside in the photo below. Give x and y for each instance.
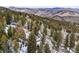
(27, 33)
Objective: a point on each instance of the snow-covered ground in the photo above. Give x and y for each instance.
(22, 46)
(48, 39)
(26, 30)
(64, 33)
(8, 26)
(27, 33)
(49, 42)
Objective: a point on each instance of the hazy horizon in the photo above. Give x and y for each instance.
(42, 6)
(40, 3)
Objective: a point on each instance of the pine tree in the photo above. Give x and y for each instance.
(32, 43)
(1, 27)
(3, 38)
(10, 32)
(1, 48)
(8, 19)
(66, 43)
(3, 42)
(15, 45)
(57, 37)
(47, 50)
(77, 48)
(19, 33)
(72, 40)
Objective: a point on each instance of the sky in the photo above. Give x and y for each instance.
(40, 3)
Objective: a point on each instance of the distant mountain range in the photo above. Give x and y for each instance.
(67, 14)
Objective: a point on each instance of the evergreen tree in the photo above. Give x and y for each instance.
(72, 40)
(19, 33)
(47, 50)
(3, 41)
(8, 19)
(77, 48)
(15, 45)
(1, 27)
(66, 43)
(57, 37)
(3, 38)
(10, 32)
(32, 43)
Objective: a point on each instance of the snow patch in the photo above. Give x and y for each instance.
(6, 29)
(48, 41)
(22, 46)
(64, 33)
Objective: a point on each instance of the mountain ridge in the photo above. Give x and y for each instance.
(64, 13)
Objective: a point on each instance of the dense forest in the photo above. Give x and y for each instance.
(27, 33)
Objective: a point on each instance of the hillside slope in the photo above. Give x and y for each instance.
(66, 14)
(27, 33)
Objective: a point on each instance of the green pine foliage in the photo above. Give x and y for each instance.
(57, 38)
(72, 40)
(32, 43)
(77, 48)
(47, 50)
(7, 17)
